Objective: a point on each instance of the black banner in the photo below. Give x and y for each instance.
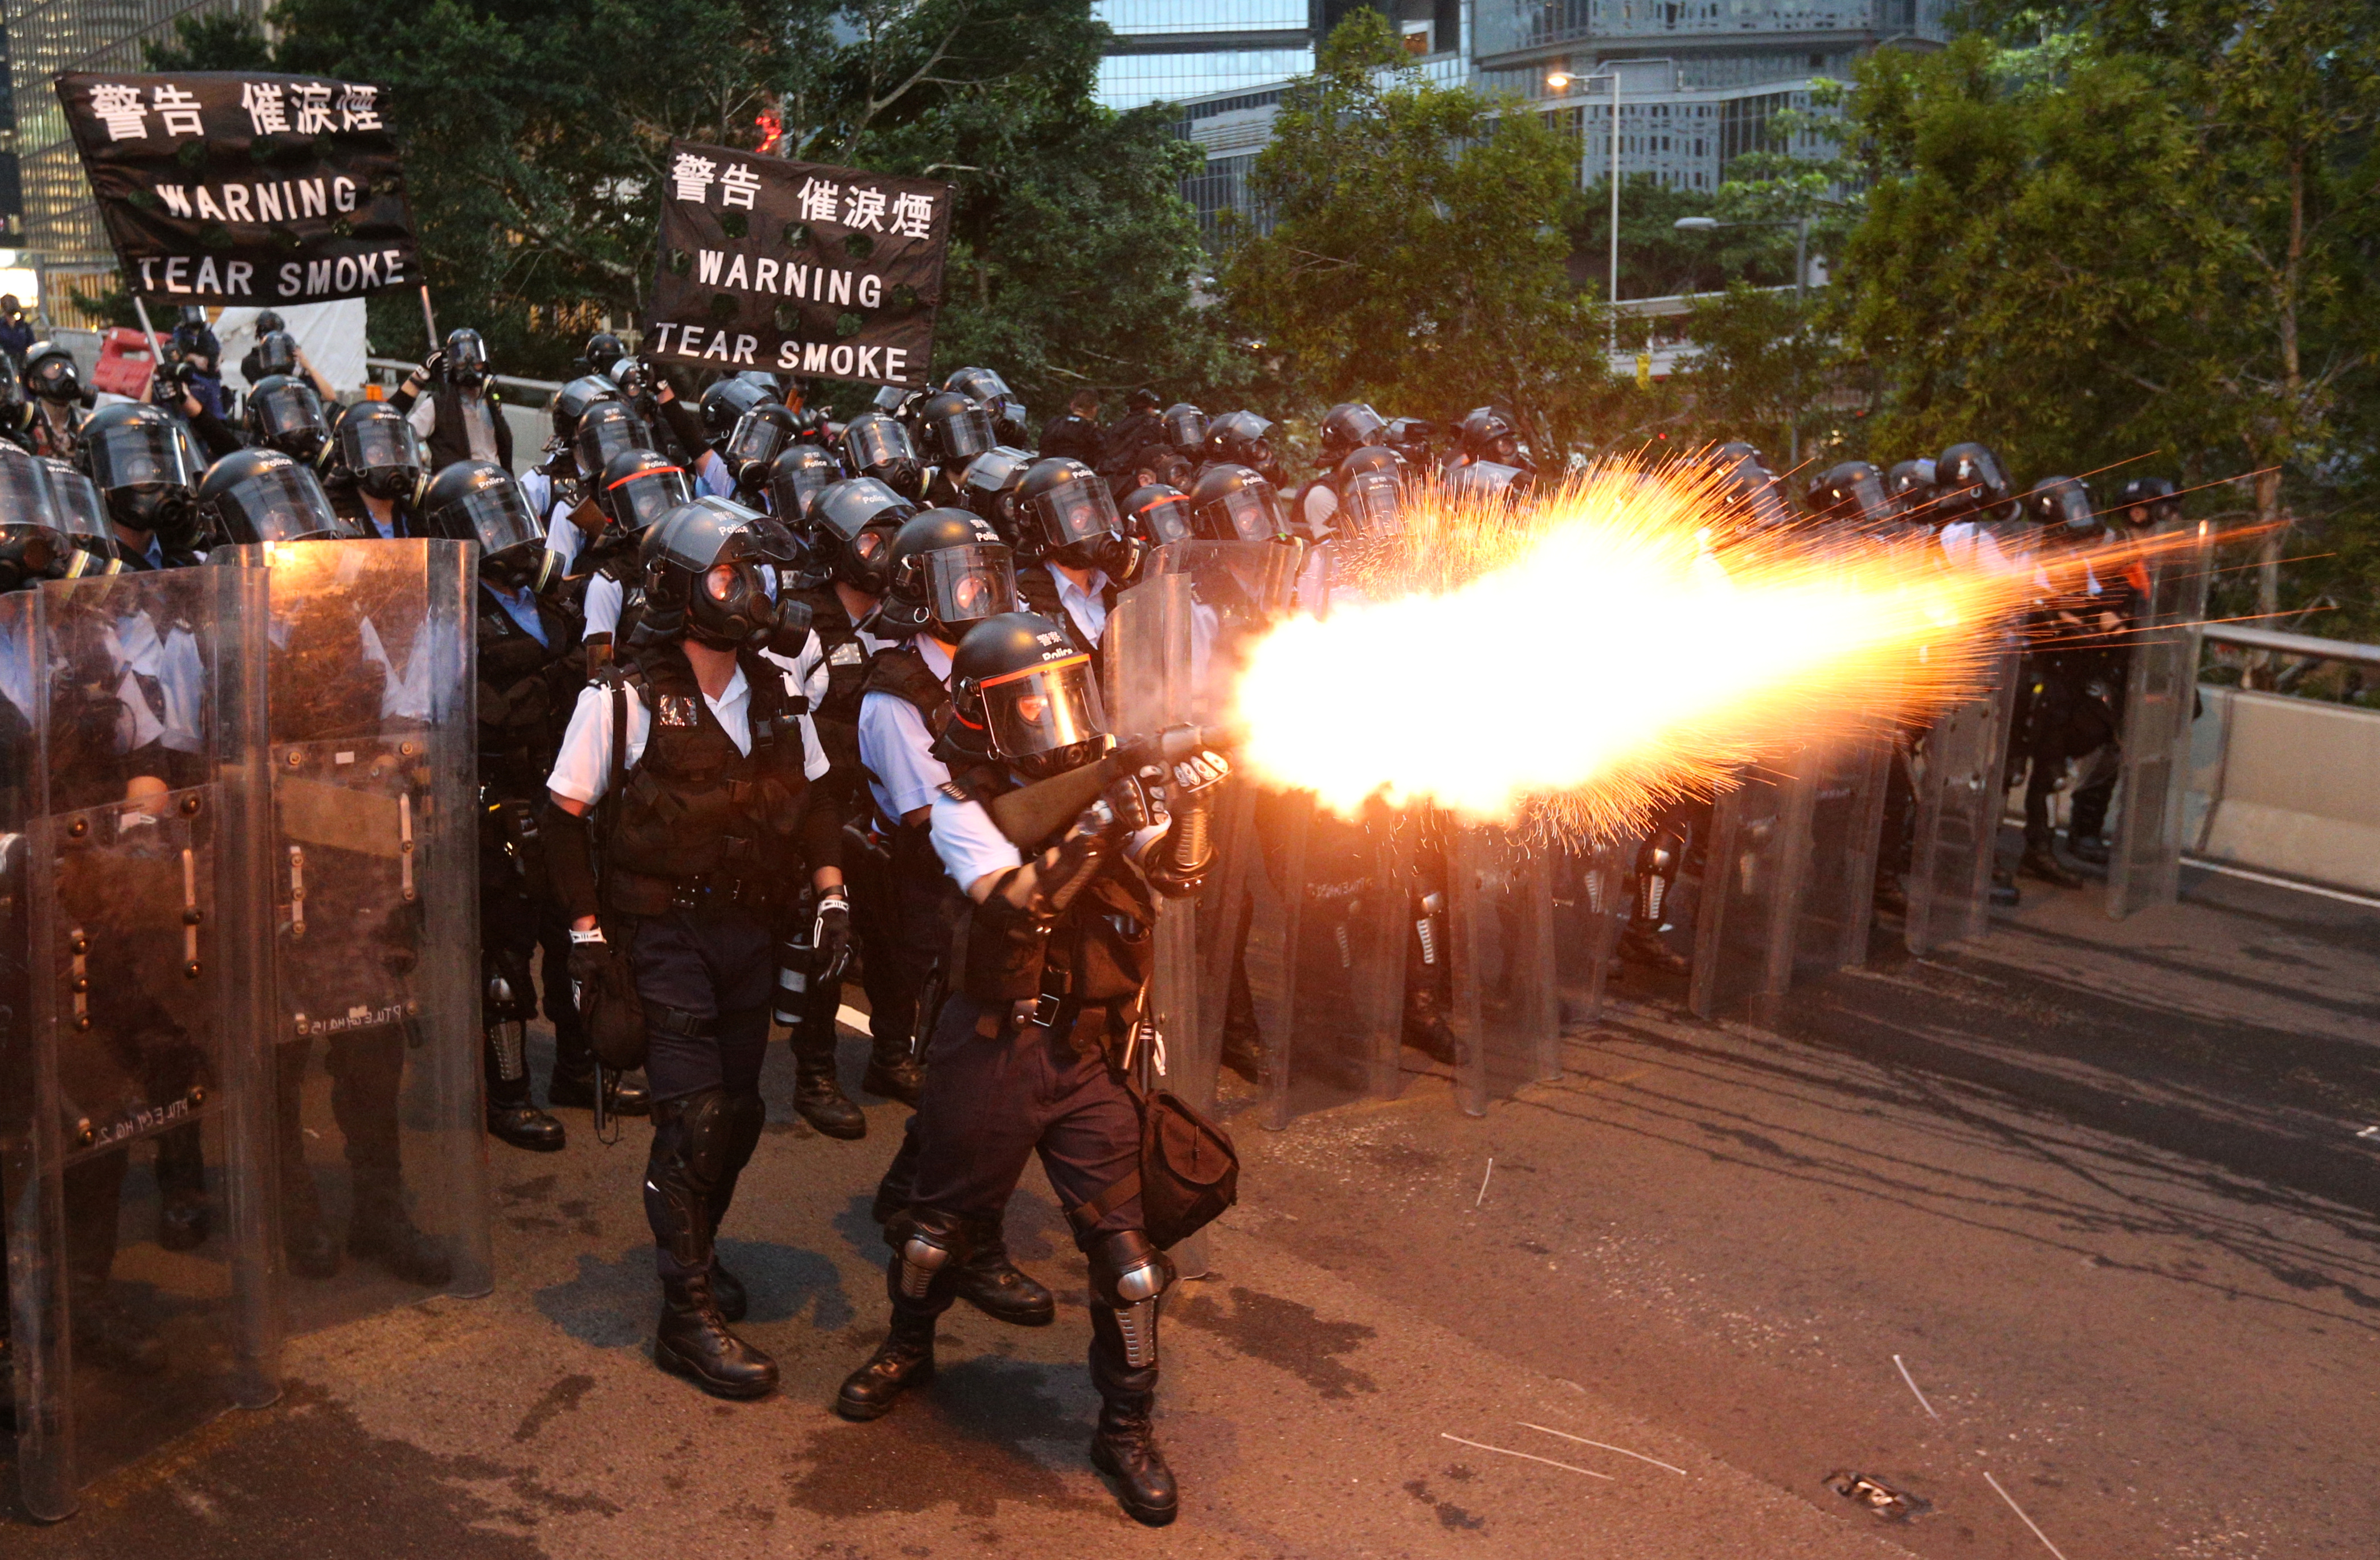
(796, 267)
(245, 187)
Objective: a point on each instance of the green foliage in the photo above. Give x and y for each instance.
(1419, 248)
(1656, 259)
(536, 134)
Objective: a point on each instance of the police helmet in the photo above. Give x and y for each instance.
(1370, 485)
(1158, 514)
(1349, 426)
(1910, 483)
(375, 445)
(723, 404)
(951, 429)
(633, 375)
(1487, 434)
(603, 349)
(1753, 494)
(758, 434)
(277, 353)
(2148, 502)
(479, 501)
(710, 574)
(570, 404)
(1850, 491)
(991, 483)
(83, 514)
(1185, 426)
(853, 523)
(466, 357)
(638, 487)
(2061, 506)
(605, 430)
(1235, 503)
(798, 474)
(1240, 439)
(1064, 511)
(268, 322)
(875, 445)
(1020, 680)
(262, 495)
(1969, 479)
(285, 414)
(949, 571)
(34, 539)
(142, 469)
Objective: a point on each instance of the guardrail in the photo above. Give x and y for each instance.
(402, 367)
(2304, 644)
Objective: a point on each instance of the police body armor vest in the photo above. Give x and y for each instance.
(692, 811)
(450, 436)
(837, 715)
(903, 672)
(1097, 954)
(526, 693)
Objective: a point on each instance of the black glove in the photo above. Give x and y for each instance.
(831, 934)
(590, 957)
(1127, 805)
(433, 367)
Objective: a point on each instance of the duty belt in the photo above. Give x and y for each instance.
(715, 890)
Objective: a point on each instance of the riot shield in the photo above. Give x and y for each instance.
(133, 1091)
(380, 1164)
(1506, 1016)
(1149, 677)
(1590, 910)
(2160, 702)
(1846, 780)
(1961, 779)
(1756, 863)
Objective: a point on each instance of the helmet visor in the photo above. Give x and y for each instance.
(1864, 498)
(287, 409)
(1044, 708)
(608, 428)
(756, 438)
(2069, 505)
(1251, 514)
(283, 505)
(636, 502)
(80, 510)
(26, 497)
(1370, 503)
(874, 444)
(793, 484)
(380, 445)
(499, 516)
(140, 453)
(1185, 428)
(1164, 519)
(1074, 512)
(276, 354)
(962, 435)
(965, 585)
(978, 384)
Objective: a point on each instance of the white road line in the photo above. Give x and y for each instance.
(1549, 1462)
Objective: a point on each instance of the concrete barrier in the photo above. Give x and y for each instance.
(2286, 785)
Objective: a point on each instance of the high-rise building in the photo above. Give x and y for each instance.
(1700, 83)
(55, 221)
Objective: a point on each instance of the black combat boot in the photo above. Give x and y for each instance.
(988, 1281)
(904, 1359)
(2041, 861)
(892, 1073)
(1124, 1447)
(382, 1231)
(2090, 848)
(514, 1118)
(819, 1098)
(574, 1089)
(693, 1341)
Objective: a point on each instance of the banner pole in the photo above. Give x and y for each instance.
(156, 353)
(429, 320)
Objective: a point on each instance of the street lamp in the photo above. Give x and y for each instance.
(1561, 80)
(1801, 226)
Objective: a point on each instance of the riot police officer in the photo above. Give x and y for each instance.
(373, 466)
(1029, 1051)
(1076, 554)
(2065, 705)
(1011, 423)
(1120, 446)
(800, 474)
(603, 350)
(636, 489)
(527, 678)
(699, 736)
(57, 401)
(142, 469)
(285, 414)
(554, 480)
(461, 418)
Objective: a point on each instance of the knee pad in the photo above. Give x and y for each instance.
(1128, 1273)
(926, 1242)
(691, 1138)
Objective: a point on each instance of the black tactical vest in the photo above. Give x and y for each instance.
(846, 659)
(1098, 953)
(527, 691)
(692, 811)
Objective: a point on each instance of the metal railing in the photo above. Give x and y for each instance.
(2302, 645)
(401, 366)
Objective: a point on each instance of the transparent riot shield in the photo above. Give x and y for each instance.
(133, 1093)
(1500, 924)
(380, 1157)
(1325, 953)
(1590, 907)
(1845, 781)
(1149, 687)
(2160, 701)
(1961, 776)
(1757, 861)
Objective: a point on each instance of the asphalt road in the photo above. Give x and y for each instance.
(2070, 1231)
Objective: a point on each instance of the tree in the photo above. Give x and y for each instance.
(1418, 247)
